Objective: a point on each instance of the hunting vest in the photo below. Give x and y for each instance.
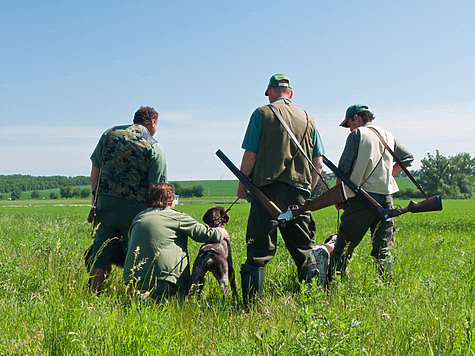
(372, 169)
(125, 163)
(274, 156)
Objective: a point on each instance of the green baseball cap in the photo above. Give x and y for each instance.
(353, 109)
(275, 82)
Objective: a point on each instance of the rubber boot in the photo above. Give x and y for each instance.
(252, 280)
(307, 273)
(384, 269)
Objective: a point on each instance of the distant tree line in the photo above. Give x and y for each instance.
(188, 192)
(9, 183)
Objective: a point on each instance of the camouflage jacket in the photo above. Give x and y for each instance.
(131, 160)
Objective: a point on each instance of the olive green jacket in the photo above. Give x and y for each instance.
(158, 247)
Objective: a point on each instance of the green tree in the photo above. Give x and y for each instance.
(197, 190)
(53, 195)
(66, 192)
(76, 192)
(35, 194)
(16, 194)
(451, 177)
(85, 193)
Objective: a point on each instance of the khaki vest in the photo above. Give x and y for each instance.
(372, 169)
(274, 156)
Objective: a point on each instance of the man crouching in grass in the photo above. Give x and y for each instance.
(156, 263)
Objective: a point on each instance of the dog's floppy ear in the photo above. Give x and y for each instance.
(208, 217)
(224, 215)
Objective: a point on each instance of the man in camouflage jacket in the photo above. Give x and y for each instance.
(125, 163)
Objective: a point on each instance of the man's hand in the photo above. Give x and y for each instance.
(225, 234)
(242, 191)
(340, 206)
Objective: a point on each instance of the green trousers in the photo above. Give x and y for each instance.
(298, 233)
(115, 216)
(355, 222)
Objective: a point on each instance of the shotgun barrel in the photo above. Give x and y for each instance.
(268, 204)
(360, 192)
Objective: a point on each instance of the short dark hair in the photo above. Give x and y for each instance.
(160, 195)
(145, 114)
(367, 116)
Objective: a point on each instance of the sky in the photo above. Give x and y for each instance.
(70, 70)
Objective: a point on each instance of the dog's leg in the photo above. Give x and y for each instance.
(221, 273)
(197, 276)
(232, 275)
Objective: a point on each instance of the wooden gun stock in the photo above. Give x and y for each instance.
(431, 204)
(332, 196)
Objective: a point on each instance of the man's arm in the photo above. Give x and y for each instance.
(404, 155)
(247, 167)
(318, 163)
(94, 177)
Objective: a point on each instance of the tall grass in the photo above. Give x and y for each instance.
(428, 309)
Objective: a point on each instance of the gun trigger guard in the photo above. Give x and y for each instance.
(285, 216)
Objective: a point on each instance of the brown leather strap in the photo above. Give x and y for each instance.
(398, 161)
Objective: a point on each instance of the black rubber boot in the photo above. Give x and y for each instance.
(307, 273)
(252, 280)
(384, 269)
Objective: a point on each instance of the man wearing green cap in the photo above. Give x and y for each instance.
(371, 167)
(276, 166)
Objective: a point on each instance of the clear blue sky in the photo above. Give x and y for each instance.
(70, 70)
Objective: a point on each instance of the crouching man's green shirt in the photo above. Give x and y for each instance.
(158, 248)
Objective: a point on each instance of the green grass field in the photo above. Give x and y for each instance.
(46, 308)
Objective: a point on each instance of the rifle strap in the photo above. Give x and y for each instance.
(296, 142)
(398, 161)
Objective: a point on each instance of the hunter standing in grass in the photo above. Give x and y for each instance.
(371, 167)
(276, 166)
(125, 163)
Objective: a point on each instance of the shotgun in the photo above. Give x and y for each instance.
(332, 196)
(432, 204)
(263, 199)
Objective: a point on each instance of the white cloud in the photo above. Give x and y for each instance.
(191, 138)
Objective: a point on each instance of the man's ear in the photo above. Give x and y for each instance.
(291, 94)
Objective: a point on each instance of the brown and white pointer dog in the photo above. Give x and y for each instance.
(215, 257)
(322, 254)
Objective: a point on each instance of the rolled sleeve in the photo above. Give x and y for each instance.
(318, 149)
(157, 170)
(403, 154)
(253, 132)
(350, 152)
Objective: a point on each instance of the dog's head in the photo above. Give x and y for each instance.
(331, 240)
(216, 216)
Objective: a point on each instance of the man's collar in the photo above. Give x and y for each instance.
(282, 97)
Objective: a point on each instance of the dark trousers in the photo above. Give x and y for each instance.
(355, 222)
(298, 233)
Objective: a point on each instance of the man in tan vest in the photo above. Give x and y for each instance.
(371, 167)
(275, 165)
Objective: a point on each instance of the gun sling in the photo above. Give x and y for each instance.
(398, 161)
(296, 142)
